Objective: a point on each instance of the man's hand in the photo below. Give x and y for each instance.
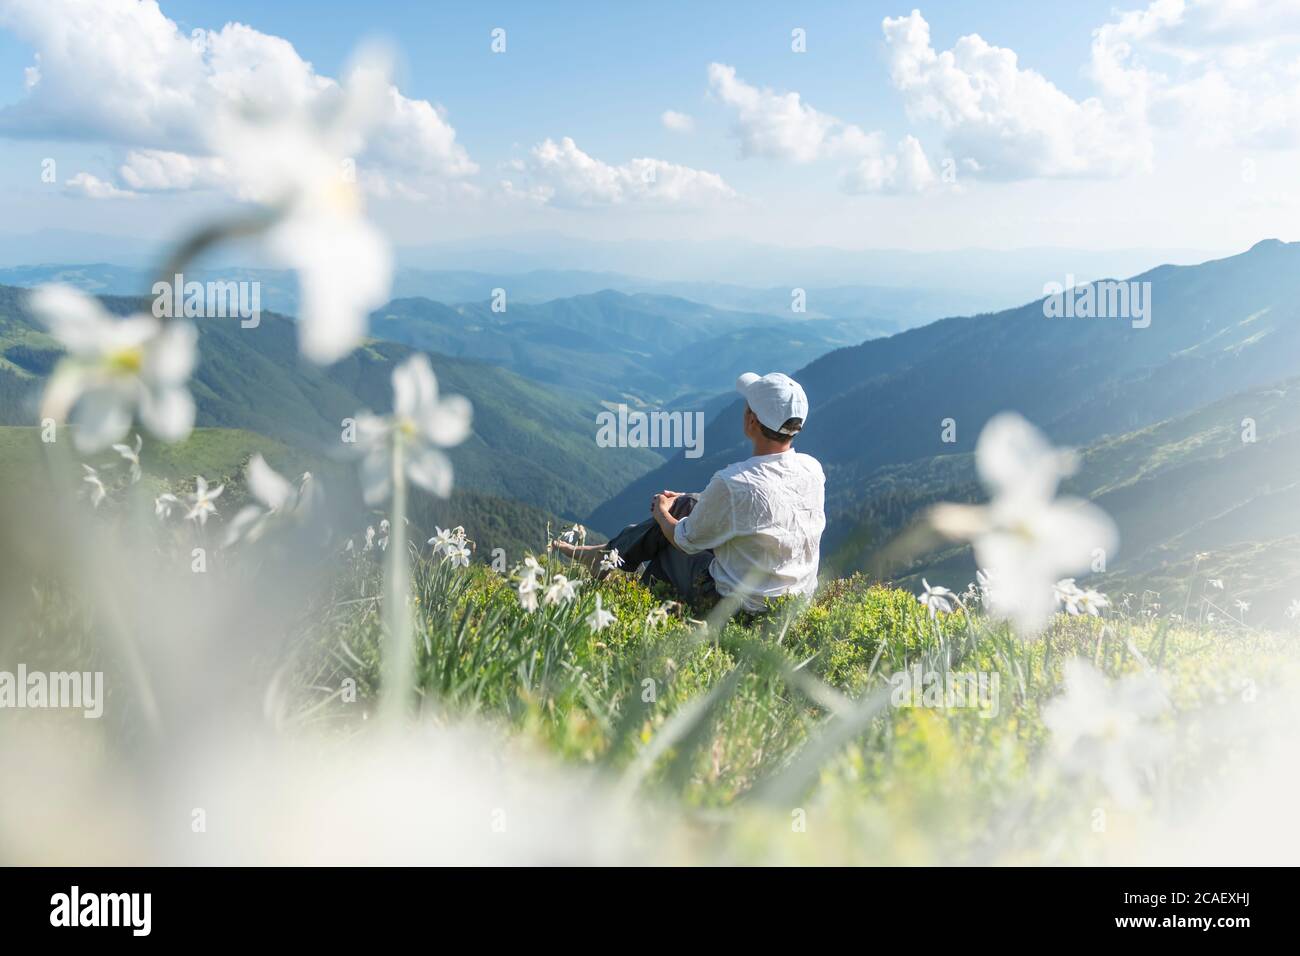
(661, 508)
(663, 496)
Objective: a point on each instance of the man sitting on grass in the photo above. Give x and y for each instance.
(754, 532)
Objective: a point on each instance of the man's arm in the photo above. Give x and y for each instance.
(710, 522)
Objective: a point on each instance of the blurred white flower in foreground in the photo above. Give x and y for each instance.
(115, 369)
(300, 163)
(164, 504)
(599, 619)
(936, 599)
(276, 496)
(201, 502)
(132, 455)
(411, 437)
(1106, 729)
(1026, 536)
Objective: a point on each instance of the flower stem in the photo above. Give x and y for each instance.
(398, 680)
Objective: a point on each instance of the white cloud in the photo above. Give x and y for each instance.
(904, 171)
(92, 187)
(119, 71)
(160, 169)
(1011, 122)
(561, 174)
(677, 122)
(782, 126)
(1225, 73)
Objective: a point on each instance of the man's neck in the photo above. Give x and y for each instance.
(765, 446)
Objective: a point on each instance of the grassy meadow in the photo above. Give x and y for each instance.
(777, 737)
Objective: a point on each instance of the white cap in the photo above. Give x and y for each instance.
(774, 398)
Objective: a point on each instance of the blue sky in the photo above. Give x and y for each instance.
(860, 162)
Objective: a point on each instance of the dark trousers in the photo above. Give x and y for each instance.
(688, 574)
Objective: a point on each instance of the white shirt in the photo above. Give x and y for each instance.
(763, 518)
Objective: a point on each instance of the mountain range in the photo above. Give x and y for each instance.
(1160, 411)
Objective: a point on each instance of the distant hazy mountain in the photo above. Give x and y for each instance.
(531, 443)
(1217, 329)
(988, 278)
(894, 285)
(640, 349)
(892, 308)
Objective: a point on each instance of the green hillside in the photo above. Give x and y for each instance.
(1177, 489)
(530, 443)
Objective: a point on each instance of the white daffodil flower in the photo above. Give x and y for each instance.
(936, 599)
(382, 540)
(115, 369)
(370, 538)
(1067, 595)
(575, 535)
(659, 616)
(1106, 730)
(1293, 610)
(1092, 602)
(599, 619)
(1242, 606)
(448, 539)
(299, 162)
(165, 504)
(1025, 535)
(201, 502)
(458, 554)
(559, 590)
(611, 560)
(529, 585)
(422, 423)
(132, 454)
(96, 491)
(276, 496)
(1216, 583)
